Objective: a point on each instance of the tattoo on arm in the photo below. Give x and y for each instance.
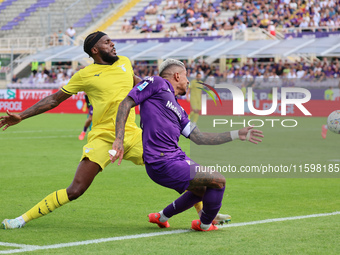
(122, 115)
(45, 104)
(209, 138)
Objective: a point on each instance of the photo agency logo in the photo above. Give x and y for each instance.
(239, 105)
(209, 93)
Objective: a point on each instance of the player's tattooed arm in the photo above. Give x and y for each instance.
(45, 104)
(136, 80)
(122, 115)
(202, 138)
(246, 133)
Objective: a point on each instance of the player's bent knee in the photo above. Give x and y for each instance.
(74, 193)
(219, 180)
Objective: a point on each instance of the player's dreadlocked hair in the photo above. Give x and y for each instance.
(91, 40)
(167, 64)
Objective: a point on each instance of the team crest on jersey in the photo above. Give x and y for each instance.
(150, 79)
(142, 86)
(123, 67)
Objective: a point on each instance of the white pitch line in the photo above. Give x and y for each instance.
(18, 245)
(37, 137)
(39, 131)
(27, 248)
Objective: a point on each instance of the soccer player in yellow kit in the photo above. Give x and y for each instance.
(106, 82)
(195, 93)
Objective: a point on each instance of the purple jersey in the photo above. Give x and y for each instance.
(163, 120)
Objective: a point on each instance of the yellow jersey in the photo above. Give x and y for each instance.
(106, 86)
(195, 94)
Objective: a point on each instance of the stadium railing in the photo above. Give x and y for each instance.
(31, 44)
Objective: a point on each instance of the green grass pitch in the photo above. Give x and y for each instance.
(40, 155)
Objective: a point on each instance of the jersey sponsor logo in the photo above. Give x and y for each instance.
(123, 67)
(173, 108)
(143, 85)
(98, 74)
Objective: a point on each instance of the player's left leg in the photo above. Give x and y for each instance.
(86, 172)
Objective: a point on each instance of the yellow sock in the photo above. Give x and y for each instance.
(195, 117)
(47, 205)
(199, 206)
(190, 115)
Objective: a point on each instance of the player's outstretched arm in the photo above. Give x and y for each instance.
(43, 105)
(122, 115)
(247, 133)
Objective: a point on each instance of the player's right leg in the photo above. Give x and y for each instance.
(86, 172)
(212, 198)
(220, 218)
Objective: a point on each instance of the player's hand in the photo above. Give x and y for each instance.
(119, 148)
(250, 134)
(10, 120)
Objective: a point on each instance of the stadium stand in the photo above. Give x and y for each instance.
(45, 17)
(95, 13)
(302, 34)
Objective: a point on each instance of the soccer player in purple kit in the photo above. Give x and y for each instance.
(163, 120)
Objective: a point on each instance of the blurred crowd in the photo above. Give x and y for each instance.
(58, 76)
(203, 15)
(249, 73)
(253, 70)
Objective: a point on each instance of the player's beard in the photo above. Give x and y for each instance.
(110, 58)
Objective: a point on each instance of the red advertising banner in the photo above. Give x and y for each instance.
(24, 98)
(19, 100)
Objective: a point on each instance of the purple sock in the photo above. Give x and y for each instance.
(184, 202)
(85, 128)
(212, 202)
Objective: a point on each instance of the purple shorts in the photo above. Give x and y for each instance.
(174, 174)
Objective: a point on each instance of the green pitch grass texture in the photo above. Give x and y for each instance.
(41, 154)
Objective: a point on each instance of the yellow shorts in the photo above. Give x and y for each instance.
(196, 104)
(100, 142)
